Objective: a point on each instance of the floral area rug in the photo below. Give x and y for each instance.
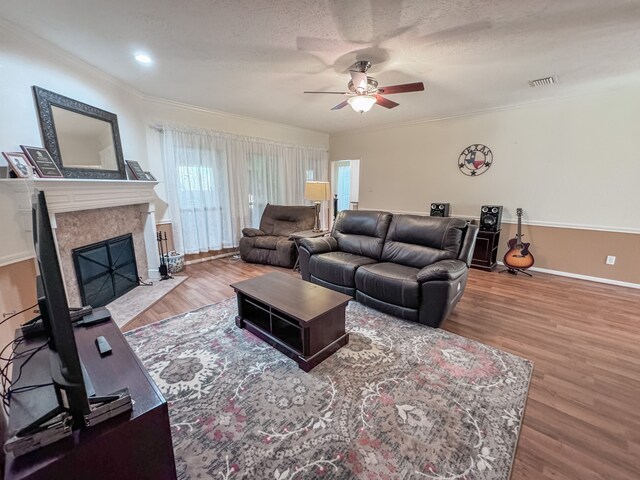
(401, 400)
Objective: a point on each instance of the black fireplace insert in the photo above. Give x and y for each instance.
(106, 270)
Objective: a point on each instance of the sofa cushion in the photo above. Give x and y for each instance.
(390, 282)
(361, 232)
(267, 241)
(319, 244)
(284, 220)
(390, 308)
(337, 267)
(418, 241)
(448, 270)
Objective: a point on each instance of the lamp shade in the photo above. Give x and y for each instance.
(362, 103)
(317, 191)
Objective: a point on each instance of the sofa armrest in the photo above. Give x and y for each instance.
(252, 232)
(319, 244)
(443, 270)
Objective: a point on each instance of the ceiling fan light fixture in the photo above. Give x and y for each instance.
(362, 103)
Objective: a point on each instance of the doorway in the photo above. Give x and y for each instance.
(345, 184)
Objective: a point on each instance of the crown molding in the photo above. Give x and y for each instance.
(225, 115)
(483, 111)
(65, 56)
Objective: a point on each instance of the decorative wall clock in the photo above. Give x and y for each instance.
(475, 160)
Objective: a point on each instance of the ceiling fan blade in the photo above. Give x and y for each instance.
(359, 80)
(335, 93)
(404, 88)
(385, 102)
(341, 105)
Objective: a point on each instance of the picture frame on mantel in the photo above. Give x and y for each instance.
(41, 159)
(136, 170)
(130, 174)
(19, 164)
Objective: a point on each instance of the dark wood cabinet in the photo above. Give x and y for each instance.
(485, 255)
(135, 445)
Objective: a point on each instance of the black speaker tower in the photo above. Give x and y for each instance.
(439, 210)
(490, 218)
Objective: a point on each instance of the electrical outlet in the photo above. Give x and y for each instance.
(611, 260)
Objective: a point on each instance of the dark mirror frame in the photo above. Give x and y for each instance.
(44, 101)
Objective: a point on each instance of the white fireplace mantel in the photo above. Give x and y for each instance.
(72, 195)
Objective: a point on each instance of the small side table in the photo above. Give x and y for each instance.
(297, 236)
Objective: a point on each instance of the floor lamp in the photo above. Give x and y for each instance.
(317, 192)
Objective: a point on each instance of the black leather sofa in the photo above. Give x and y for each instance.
(270, 243)
(411, 266)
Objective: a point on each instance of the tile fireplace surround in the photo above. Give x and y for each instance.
(83, 212)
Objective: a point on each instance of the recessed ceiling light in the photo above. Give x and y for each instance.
(142, 58)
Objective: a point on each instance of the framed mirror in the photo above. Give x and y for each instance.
(83, 140)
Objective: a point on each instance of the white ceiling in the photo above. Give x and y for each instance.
(256, 57)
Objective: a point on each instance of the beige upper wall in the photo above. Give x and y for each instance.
(572, 162)
(27, 61)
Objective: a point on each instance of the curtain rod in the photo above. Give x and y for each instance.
(200, 130)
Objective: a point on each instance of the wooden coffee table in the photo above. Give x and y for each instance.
(302, 320)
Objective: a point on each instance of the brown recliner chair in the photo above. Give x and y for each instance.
(270, 243)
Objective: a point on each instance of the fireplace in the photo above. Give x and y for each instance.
(106, 270)
(84, 212)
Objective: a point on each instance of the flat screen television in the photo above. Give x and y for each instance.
(53, 409)
(66, 368)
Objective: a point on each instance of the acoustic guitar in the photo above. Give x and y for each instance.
(518, 257)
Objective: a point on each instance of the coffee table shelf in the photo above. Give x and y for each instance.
(304, 321)
(272, 322)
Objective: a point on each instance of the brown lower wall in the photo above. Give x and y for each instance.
(17, 292)
(569, 250)
(581, 252)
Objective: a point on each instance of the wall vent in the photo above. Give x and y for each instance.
(543, 81)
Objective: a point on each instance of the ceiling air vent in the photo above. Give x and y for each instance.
(543, 81)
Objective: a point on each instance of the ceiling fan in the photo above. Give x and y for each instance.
(364, 91)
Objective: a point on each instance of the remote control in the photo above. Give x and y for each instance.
(98, 315)
(103, 346)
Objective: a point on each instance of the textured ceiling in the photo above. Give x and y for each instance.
(256, 57)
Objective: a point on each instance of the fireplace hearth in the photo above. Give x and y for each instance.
(106, 270)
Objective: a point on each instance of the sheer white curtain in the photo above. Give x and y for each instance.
(219, 183)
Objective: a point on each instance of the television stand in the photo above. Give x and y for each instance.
(122, 446)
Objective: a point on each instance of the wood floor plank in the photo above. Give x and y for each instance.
(582, 419)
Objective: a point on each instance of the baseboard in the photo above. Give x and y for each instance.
(213, 257)
(588, 278)
(153, 274)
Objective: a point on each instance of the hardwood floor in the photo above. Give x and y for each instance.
(582, 419)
